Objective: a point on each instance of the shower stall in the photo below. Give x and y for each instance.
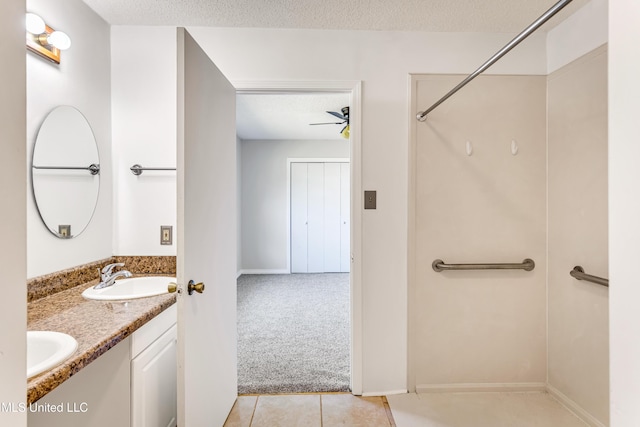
(511, 168)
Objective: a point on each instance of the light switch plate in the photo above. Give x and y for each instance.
(369, 199)
(64, 231)
(166, 235)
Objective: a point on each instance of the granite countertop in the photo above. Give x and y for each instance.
(96, 325)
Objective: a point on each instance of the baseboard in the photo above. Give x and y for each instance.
(263, 271)
(480, 387)
(384, 393)
(573, 407)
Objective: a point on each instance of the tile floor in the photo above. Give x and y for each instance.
(481, 410)
(310, 410)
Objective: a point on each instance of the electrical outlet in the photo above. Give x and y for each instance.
(166, 235)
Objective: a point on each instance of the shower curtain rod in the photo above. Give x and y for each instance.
(422, 115)
(578, 273)
(439, 265)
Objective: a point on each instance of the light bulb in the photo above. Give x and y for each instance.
(35, 24)
(346, 132)
(59, 40)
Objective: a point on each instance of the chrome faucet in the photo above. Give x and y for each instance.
(108, 277)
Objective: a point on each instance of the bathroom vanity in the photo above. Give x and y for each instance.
(124, 370)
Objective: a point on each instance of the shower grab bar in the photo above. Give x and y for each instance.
(422, 115)
(93, 168)
(527, 265)
(578, 273)
(137, 169)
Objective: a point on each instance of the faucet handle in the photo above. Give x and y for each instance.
(109, 268)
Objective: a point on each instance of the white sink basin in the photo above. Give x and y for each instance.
(46, 349)
(135, 287)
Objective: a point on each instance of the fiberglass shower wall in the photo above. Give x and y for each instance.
(480, 329)
(518, 330)
(578, 235)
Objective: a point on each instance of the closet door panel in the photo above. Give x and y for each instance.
(345, 226)
(298, 217)
(332, 229)
(315, 218)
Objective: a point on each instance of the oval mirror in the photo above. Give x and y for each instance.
(65, 172)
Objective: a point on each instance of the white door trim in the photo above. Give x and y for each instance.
(354, 88)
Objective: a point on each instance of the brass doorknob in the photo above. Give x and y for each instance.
(173, 287)
(193, 286)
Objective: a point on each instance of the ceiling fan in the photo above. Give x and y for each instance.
(344, 117)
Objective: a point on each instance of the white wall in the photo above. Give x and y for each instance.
(13, 191)
(81, 80)
(580, 33)
(143, 68)
(264, 198)
(624, 211)
(382, 60)
(578, 311)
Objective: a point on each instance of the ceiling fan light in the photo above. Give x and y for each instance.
(346, 132)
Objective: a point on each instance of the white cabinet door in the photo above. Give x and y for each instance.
(153, 383)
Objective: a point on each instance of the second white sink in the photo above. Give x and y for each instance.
(131, 288)
(47, 349)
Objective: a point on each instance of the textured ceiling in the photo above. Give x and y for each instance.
(288, 116)
(402, 15)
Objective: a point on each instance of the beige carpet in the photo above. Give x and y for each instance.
(293, 333)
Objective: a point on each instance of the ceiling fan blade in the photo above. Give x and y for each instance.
(338, 115)
(332, 123)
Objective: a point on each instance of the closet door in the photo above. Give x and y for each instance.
(315, 218)
(332, 222)
(298, 217)
(320, 218)
(345, 209)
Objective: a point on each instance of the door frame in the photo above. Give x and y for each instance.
(353, 88)
(305, 160)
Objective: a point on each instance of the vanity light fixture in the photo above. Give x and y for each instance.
(44, 40)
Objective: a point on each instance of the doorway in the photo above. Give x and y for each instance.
(284, 267)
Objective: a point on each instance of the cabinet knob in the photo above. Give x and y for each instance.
(172, 288)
